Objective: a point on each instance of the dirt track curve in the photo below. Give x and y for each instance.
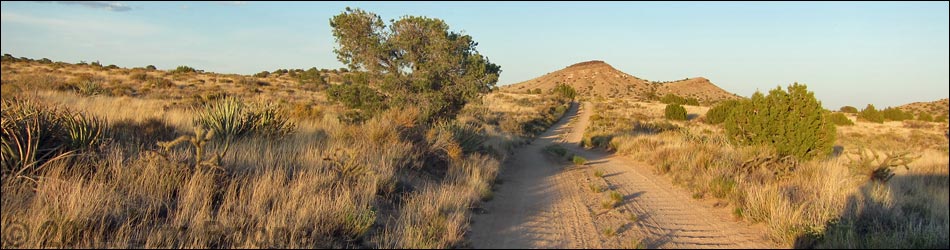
(543, 202)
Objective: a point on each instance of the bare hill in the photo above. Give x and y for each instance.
(599, 79)
(935, 108)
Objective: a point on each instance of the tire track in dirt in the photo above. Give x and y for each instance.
(546, 203)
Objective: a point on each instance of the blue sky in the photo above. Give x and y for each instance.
(848, 53)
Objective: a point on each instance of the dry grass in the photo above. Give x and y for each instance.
(820, 203)
(386, 183)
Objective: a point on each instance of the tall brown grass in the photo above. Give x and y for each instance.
(389, 182)
(819, 203)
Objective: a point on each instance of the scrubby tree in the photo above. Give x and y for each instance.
(941, 118)
(311, 77)
(793, 122)
(840, 119)
(183, 69)
(848, 109)
(895, 114)
(414, 61)
(871, 114)
(262, 74)
(564, 91)
(924, 116)
(675, 112)
(717, 114)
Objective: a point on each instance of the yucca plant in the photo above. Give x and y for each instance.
(83, 132)
(226, 118)
(31, 137)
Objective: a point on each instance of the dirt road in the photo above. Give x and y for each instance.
(545, 202)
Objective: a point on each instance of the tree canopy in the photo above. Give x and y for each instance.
(414, 61)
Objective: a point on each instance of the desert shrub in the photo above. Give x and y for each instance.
(916, 124)
(359, 96)
(923, 116)
(159, 82)
(793, 122)
(848, 109)
(556, 150)
(150, 67)
(578, 160)
(33, 135)
(717, 114)
(871, 114)
(86, 84)
(183, 70)
(671, 98)
(940, 118)
(262, 74)
(311, 77)
(895, 114)
(565, 91)
(840, 119)
(141, 77)
(229, 118)
(446, 70)
(675, 112)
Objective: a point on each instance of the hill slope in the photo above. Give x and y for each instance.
(599, 79)
(934, 108)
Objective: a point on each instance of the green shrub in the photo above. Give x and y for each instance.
(311, 77)
(675, 112)
(895, 114)
(565, 91)
(262, 74)
(718, 113)
(840, 119)
(579, 160)
(183, 69)
(556, 150)
(792, 122)
(941, 118)
(228, 118)
(671, 98)
(414, 61)
(871, 114)
(150, 67)
(32, 135)
(924, 116)
(848, 109)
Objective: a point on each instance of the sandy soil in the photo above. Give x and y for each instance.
(545, 202)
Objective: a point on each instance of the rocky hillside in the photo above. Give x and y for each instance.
(599, 79)
(935, 108)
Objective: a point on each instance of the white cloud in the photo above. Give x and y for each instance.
(79, 26)
(106, 5)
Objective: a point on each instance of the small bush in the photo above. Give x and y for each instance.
(159, 82)
(599, 173)
(230, 119)
(579, 160)
(793, 122)
(597, 188)
(871, 114)
(140, 77)
(33, 135)
(183, 70)
(718, 113)
(675, 112)
(848, 109)
(556, 150)
(925, 117)
(840, 119)
(150, 67)
(895, 114)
